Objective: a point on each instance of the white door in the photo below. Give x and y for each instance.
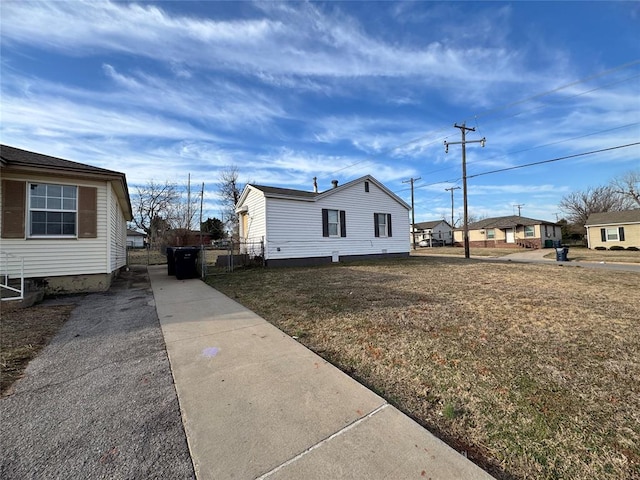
(509, 233)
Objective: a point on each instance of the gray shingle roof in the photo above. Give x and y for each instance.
(287, 192)
(510, 221)
(605, 218)
(12, 156)
(426, 225)
(16, 158)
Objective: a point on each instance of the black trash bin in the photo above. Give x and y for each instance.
(171, 261)
(557, 243)
(186, 259)
(561, 254)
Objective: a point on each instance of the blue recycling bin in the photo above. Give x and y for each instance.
(561, 254)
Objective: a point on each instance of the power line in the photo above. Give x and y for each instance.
(463, 144)
(413, 210)
(523, 151)
(500, 108)
(567, 157)
(554, 159)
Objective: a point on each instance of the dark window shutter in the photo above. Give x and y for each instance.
(603, 234)
(366, 186)
(343, 224)
(13, 208)
(87, 212)
(389, 225)
(376, 230)
(325, 222)
(621, 234)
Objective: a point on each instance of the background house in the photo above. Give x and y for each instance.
(66, 220)
(360, 219)
(609, 229)
(511, 231)
(433, 232)
(135, 239)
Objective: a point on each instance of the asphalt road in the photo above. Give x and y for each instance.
(99, 401)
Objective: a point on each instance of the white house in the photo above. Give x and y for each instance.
(135, 239)
(358, 220)
(66, 221)
(435, 232)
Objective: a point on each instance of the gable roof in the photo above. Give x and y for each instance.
(510, 221)
(607, 218)
(30, 162)
(284, 192)
(431, 224)
(288, 193)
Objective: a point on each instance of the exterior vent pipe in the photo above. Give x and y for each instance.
(334, 183)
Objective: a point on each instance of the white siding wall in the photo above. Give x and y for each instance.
(118, 232)
(55, 257)
(295, 227)
(256, 228)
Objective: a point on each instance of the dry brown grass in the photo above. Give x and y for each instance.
(531, 369)
(582, 254)
(23, 333)
(459, 251)
(576, 254)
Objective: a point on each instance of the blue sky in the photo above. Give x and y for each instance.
(335, 90)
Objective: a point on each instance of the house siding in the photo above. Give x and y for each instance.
(59, 257)
(118, 232)
(478, 238)
(255, 225)
(304, 218)
(631, 236)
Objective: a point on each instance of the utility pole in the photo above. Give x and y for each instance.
(413, 212)
(519, 207)
(482, 141)
(452, 189)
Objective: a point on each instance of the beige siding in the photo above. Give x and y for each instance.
(631, 236)
(53, 257)
(294, 228)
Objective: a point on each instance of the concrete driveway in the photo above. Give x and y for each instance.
(99, 401)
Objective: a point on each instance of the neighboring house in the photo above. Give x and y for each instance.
(608, 229)
(358, 220)
(66, 220)
(512, 231)
(135, 239)
(435, 232)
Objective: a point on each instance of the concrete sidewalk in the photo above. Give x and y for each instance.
(257, 404)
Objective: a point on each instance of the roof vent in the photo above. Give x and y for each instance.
(334, 183)
(315, 184)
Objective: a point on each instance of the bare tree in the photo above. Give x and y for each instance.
(579, 205)
(152, 205)
(230, 191)
(628, 185)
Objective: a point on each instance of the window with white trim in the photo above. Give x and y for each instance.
(529, 231)
(334, 223)
(53, 210)
(382, 224)
(612, 235)
(491, 233)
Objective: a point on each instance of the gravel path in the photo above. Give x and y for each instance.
(99, 400)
